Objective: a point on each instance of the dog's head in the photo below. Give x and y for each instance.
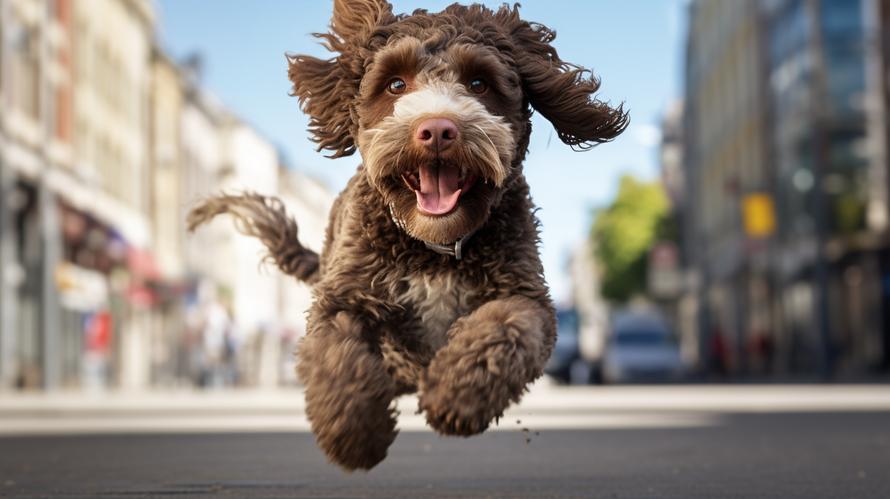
(439, 105)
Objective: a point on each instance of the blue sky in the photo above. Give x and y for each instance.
(635, 46)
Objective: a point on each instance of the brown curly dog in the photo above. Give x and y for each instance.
(430, 279)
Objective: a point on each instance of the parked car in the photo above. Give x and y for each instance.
(566, 365)
(641, 348)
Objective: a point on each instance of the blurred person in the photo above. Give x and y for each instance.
(287, 355)
(98, 329)
(760, 350)
(217, 347)
(261, 357)
(718, 354)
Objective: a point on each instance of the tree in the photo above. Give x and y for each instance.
(624, 232)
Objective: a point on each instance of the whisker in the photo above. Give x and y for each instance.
(486, 135)
(493, 154)
(376, 138)
(399, 155)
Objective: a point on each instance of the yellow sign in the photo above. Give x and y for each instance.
(759, 213)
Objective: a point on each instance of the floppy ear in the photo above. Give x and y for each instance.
(327, 89)
(563, 92)
(354, 20)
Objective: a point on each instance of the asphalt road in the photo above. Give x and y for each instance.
(744, 455)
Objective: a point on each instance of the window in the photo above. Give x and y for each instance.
(841, 17)
(789, 31)
(643, 338)
(26, 71)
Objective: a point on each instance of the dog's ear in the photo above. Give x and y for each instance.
(354, 20)
(327, 89)
(562, 92)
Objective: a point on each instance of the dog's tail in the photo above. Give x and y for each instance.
(266, 219)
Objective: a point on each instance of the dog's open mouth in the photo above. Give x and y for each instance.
(439, 186)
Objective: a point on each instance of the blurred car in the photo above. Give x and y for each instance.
(641, 348)
(566, 365)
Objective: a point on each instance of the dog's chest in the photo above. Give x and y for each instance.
(437, 302)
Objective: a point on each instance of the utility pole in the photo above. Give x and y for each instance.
(50, 347)
(6, 299)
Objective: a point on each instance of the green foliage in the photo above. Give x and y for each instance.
(849, 213)
(623, 233)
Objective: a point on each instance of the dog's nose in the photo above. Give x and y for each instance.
(436, 134)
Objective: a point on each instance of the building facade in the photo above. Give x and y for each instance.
(309, 202)
(74, 166)
(724, 154)
(167, 215)
(786, 232)
(105, 143)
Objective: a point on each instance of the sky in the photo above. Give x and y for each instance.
(635, 46)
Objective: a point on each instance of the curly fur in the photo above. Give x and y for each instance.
(389, 315)
(490, 357)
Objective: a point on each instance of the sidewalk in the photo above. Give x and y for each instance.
(544, 407)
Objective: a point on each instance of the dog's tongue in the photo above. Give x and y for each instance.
(439, 189)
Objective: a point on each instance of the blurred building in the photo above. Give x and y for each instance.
(242, 318)
(75, 166)
(877, 49)
(249, 163)
(786, 218)
(724, 151)
(105, 142)
(670, 153)
(167, 214)
(677, 278)
(309, 202)
(207, 252)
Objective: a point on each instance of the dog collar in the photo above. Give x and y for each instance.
(454, 249)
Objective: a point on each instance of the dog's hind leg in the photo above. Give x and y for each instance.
(266, 219)
(348, 391)
(491, 356)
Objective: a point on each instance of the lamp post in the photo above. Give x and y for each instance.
(6, 326)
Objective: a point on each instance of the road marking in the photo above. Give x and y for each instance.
(299, 423)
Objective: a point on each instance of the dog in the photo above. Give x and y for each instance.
(430, 281)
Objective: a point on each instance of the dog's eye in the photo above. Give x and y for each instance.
(478, 86)
(397, 86)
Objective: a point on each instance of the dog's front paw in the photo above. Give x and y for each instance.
(490, 357)
(460, 409)
(358, 436)
(348, 394)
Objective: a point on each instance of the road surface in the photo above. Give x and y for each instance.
(841, 451)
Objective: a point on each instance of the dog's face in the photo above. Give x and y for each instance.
(439, 105)
(438, 133)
